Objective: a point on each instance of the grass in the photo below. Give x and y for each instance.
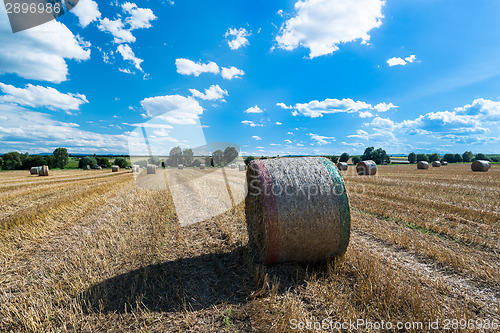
(91, 251)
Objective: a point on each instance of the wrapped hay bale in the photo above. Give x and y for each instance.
(366, 168)
(480, 165)
(44, 171)
(444, 163)
(87, 167)
(202, 166)
(34, 171)
(115, 168)
(233, 166)
(136, 168)
(296, 209)
(342, 166)
(180, 167)
(436, 164)
(242, 167)
(151, 169)
(423, 165)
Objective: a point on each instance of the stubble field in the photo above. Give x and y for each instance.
(92, 251)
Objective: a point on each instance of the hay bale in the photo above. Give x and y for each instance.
(136, 168)
(242, 167)
(444, 163)
(366, 168)
(233, 166)
(151, 169)
(296, 209)
(342, 166)
(44, 171)
(34, 170)
(180, 167)
(436, 164)
(480, 165)
(115, 168)
(423, 165)
(202, 166)
(87, 167)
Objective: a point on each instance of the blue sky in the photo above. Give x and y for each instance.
(274, 77)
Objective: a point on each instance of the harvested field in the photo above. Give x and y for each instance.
(100, 251)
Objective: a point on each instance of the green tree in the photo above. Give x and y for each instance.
(368, 154)
(120, 161)
(355, 159)
(230, 154)
(434, 157)
(249, 159)
(154, 160)
(87, 160)
(379, 156)
(218, 157)
(12, 161)
(481, 156)
(422, 157)
(412, 158)
(1, 163)
(61, 157)
(450, 158)
(208, 161)
(103, 162)
(467, 156)
(36, 160)
(333, 158)
(196, 163)
(457, 158)
(175, 156)
(344, 157)
(187, 156)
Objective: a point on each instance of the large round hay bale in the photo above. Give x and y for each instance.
(115, 168)
(444, 163)
(136, 168)
(480, 165)
(180, 166)
(44, 171)
(202, 166)
(423, 165)
(242, 167)
(342, 166)
(34, 171)
(233, 166)
(87, 167)
(436, 164)
(296, 209)
(151, 169)
(366, 168)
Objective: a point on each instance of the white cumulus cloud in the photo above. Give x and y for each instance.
(174, 109)
(237, 38)
(87, 12)
(189, 67)
(213, 93)
(251, 123)
(255, 137)
(254, 109)
(231, 72)
(400, 61)
(128, 54)
(320, 139)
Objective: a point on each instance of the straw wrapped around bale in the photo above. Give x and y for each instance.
(366, 168)
(44, 171)
(480, 165)
(423, 165)
(436, 164)
(296, 209)
(180, 166)
(115, 168)
(342, 166)
(34, 171)
(444, 163)
(151, 169)
(242, 167)
(136, 168)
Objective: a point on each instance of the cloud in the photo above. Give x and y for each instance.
(255, 137)
(365, 114)
(121, 28)
(87, 12)
(484, 109)
(315, 109)
(284, 106)
(237, 38)
(128, 54)
(38, 96)
(213, 93)
(251, 123)
(322, 25)
(287, 141)
(400, 61)
(174, 109)
(321, 140)
(39, 53)
(189, 67)
(278, 123)
(231, 73)
(253, 109)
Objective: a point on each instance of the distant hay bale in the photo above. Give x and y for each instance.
(202, 166)
(342, 166)
(151, 169)
(480, 165)
(87, 167)
(99, 168)
(233, 166)
(136, 168)
(444, 163)
(44, 171)
(115, 168)
(366, 168)
(296, 209)
(34, 170)
(423, 165)
(180, 167)
(242, 167)
(436, 164)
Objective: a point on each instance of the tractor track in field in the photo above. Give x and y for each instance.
(485, 296)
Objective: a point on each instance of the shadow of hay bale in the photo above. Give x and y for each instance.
(194, 283)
